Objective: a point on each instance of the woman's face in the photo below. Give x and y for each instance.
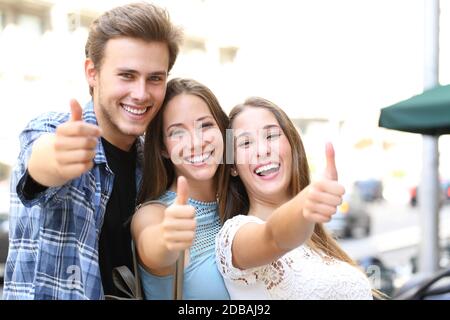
(263, 156)
(192, 138)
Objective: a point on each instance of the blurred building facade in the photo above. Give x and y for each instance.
(42, 56)
(329, 69)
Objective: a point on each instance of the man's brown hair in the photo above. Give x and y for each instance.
(143, 21)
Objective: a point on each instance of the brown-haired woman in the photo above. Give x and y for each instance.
(272, 244)
(183, 163)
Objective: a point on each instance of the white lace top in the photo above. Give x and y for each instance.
(300, 274)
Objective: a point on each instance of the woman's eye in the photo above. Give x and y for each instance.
(273, 135)
(176, 133)
(207, 125)
(244, 143)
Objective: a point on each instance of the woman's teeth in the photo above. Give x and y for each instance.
(200, 158)
(267, 169)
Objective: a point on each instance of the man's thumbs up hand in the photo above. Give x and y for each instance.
(75, 144)
(76, 113)
(179, 223)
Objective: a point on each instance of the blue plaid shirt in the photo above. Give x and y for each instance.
(53, 238)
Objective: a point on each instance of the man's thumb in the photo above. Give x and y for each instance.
(182, 191)
(76, 113)
(330, 170)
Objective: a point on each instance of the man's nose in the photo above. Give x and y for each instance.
(140, 91)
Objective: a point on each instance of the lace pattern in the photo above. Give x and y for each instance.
(223, 251)
(300, 274)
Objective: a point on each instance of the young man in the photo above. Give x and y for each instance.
(74, 186)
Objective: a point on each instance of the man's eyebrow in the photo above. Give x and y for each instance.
(158, 73)
(126, 70)
(154, 73)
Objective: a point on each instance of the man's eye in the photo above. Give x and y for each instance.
(156, 78)
(126, 76)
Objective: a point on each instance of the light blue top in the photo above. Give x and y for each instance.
(202, 280)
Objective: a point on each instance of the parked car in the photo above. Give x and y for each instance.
(352, 218)
(4, 242)
(380, 276)
(444, 196)
(370, 189)
(420, 287)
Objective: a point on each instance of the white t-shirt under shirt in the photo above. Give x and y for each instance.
(300, 274)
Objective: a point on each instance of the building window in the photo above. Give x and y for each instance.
(192, 44)
(77, 20)
(32, 25)
(228, 54)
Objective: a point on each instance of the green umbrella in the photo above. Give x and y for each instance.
(427, 113)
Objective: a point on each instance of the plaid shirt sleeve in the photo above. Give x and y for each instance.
(53, 237)
(34, 130)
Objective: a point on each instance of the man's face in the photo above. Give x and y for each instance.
(129, 88)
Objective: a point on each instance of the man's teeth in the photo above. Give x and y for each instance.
(265, 169)
(200, 158)
(136, 111)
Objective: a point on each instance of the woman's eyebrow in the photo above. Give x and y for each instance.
(174, 125)
(203, 118)
(270, 126)
(197, 120)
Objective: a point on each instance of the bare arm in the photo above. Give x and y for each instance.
(291, 224)
(62, 156)
(147, 232)
(162, 233)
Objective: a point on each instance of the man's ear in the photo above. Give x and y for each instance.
(90, 72)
